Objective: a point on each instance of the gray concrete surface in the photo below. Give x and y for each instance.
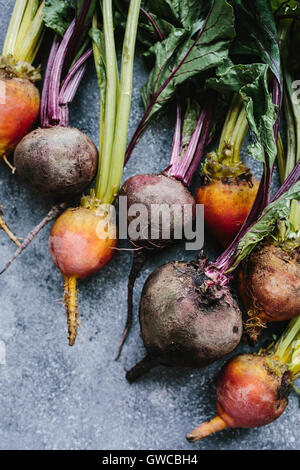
(56, 397)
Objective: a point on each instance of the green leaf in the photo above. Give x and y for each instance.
(163, 9)
(180, 13)
(256, 39)
(251, 82)
(257, 33)
(191, 117)
(195, 55)
(277, 211)
(58, 15)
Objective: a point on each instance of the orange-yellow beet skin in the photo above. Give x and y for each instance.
(75, 246)
(19, 108)
(249, 393)
(226, 206)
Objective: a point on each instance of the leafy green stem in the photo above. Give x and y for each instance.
(31, 36)
(25, 31)
(99, 59)
(14, 27)
(290, 130)
(124, 102)
(281, 158)
(110, 101)
(234, 131)
(287, 349)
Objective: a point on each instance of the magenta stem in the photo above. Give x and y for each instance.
(78, 36)
(180, 170)
(154, 24)
(70, 86)
(203, 142)
(72, 80)
(289, 182)
(55, 78)
(44, 99)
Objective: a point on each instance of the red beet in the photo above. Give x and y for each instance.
(58, 162)
(186, 320)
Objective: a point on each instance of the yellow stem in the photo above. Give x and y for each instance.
(230, 121)
(97, 58)
(287, 348)
(206, 429)
(70, 301)
(25, 24)
(6, 229)
(27, 49)
(13, 168)
(239, 134)
(14, 26)
(32, 55)
(281, 158)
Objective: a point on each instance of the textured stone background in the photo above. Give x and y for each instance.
(56, 397)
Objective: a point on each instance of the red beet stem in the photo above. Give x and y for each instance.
(179, 171)
(55, 78)
(202, 143)
(70, 85)
(154, 24)
(184, 169)
(44, 100)
(289, 182)
(52, 113)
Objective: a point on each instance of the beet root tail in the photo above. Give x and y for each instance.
(6, 229)
(206, 429)
(254, 324)
(70, 301)
(139, 260)
(141, 368)
(54, 212)
(7, 162)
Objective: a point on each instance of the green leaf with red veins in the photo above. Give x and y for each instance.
(58, 15)
(257, 40)
(194, 55)
(278, 210)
